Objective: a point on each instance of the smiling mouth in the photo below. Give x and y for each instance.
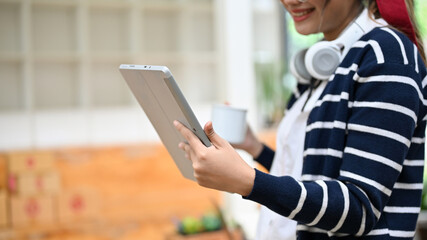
(303, 13)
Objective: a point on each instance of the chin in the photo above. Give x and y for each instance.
(304, 31)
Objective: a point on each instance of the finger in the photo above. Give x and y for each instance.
(187, 149)
(213, 137)
(181, 145)
(188, 153)
(192, 139)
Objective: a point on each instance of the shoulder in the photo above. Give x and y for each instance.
(385, 55)
(395, 46)
(389, 48)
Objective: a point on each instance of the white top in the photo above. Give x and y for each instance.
(288, 160)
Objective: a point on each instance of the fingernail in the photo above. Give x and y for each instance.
(175, 122)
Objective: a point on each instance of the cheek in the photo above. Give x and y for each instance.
(284, 4)
(332, 21)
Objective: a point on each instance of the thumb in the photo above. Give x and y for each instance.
(210, 132)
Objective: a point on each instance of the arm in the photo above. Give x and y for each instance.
(379, 130)
(355, 149)
(259, 151)
(265, 158)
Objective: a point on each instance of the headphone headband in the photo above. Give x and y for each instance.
(321, 60)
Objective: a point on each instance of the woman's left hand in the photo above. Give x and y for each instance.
(218, 166)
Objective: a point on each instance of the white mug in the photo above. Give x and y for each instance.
(229, 122)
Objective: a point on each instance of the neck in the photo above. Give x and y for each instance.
(332, 35)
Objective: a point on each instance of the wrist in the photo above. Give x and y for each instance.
(256, 149)
(248, 182)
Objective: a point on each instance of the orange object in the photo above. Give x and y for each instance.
(24, 162)
(4, 221)
(32, 210)
(3, 172)
(33, 183)
(78, 205)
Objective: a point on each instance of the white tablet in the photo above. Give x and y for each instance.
(163, 102)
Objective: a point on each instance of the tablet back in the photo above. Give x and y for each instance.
(162, 101)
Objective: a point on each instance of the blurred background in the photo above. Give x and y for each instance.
(79, 158)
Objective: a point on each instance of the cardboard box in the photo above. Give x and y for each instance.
(35, 162)
(4, 218)
(32, 210)
(3, 172)
(12, 183)
(26, 184)
(50, 183)
(78, 205)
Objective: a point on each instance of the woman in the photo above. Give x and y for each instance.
(360, 134)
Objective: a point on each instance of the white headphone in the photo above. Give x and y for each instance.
(322, 59)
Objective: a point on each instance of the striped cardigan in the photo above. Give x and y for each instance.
(364, 148)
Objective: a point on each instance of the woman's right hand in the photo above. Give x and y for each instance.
(251, 144)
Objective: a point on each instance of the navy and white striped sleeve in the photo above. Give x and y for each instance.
(349, 183)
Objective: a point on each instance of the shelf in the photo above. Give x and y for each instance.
(199, 29)
(55, 85)
(189, 30)
(55, 56)
(59, 64)
(161, 58)
(10, 27)
(108, 29)
(11, 57)
(174, 5)
(66, 3)
(118, 4)
(54, 28)
(205, 76)
(11, 1)
(107, 87)
(109, 57)
(11, 92)
(160, 31)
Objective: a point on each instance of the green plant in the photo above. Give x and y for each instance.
(424, 197)
(272, 93)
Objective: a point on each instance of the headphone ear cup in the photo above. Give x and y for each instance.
(322, 59)
(297, 67)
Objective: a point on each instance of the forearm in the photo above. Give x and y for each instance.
(312, 202)
(265, 156)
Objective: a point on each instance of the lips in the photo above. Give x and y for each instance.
(301, 14)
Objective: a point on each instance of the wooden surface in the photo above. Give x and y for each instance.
(134, 192)
(131, 192)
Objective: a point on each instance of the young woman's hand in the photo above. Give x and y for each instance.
(218, 166)
(251, 144)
